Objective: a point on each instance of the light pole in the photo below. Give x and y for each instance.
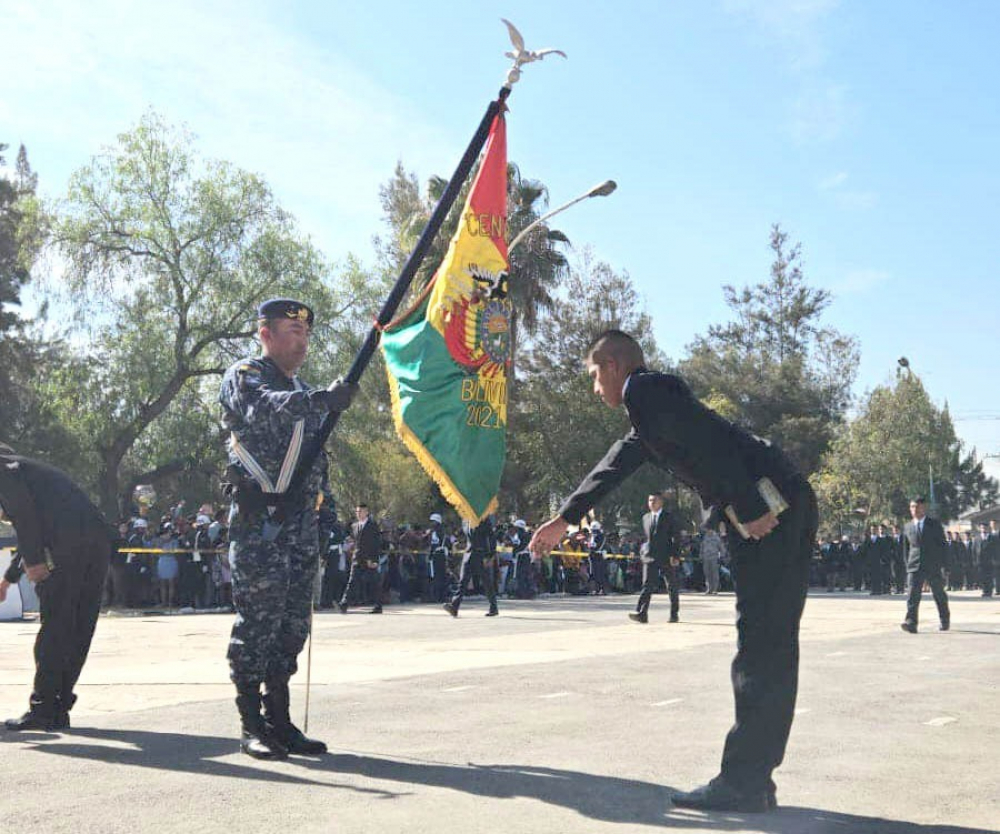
(602, 190)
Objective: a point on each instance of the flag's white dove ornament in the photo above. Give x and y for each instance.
(521, 56)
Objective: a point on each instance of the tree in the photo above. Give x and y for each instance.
(168, 258)
(783, 375)
(899, 441)
(24, 356)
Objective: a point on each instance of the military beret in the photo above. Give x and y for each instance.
(285, 308)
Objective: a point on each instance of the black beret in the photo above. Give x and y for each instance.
(285, 308)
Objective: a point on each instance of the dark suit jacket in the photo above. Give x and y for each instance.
(878, 551)
(50, 513)
(367, 540)
(660, 545)
(672, 429)
(927, 552)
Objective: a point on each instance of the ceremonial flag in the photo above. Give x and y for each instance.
(448, 357)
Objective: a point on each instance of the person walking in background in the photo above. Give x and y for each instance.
(926, 550)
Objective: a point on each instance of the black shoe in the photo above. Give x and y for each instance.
(342, 607)
(910, 627)
(945, 625)
(493, 612)
(717, 795)
(32, 720)
(451, 608)
(278, 723)
(674, 619)
(299, 744)
(258, 745)
(376, 610)
(638, 618)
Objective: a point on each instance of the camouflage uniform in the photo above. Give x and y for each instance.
(273, 577)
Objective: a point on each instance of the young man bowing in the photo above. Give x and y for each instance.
(771, 511)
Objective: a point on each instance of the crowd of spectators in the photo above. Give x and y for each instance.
(180, 560)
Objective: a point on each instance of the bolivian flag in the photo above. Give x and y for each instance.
(448, 357)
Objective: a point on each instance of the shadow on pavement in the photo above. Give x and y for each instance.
(168, 751)
(598, 797)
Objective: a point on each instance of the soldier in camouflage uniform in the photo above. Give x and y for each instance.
(271, 415)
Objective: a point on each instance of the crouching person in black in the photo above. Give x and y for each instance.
(63, 545)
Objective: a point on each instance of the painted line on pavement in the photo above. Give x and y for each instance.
(940, 722)
(802, 711)
(459, 688)
(555, 695)
(836, 654)
(667, 703)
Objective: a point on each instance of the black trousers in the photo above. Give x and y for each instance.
(651, 584)
(875, 574)
(771, 578)
(482, 569)
(986, 578)
(364, 586)
(599, 572)
(69, 602)
(916, 581)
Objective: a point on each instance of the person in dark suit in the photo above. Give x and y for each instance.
(771, 513)
(989, 556)
(926, 553)
(658, 555)
(364, 564)
(63, 545)
(878, 553)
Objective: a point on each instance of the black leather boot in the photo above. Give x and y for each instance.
(255, 740)
(279, 722)
(41, 715)
(63, 706)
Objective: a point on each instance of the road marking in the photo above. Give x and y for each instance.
(555, 695)
(836, 654)
(925, 657)
(940, 722)
(802, 711)
(459, 688)
(667, 703)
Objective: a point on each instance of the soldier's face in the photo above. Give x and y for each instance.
(608, 381)
(286, 342)
(917, 510)
(655, 503)
(361, 513)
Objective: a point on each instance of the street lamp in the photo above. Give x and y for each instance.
(602, 190)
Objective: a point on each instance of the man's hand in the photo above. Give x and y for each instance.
(340, 394)
(760, 527)
(4, 585)
(547, 536)
(37, 573)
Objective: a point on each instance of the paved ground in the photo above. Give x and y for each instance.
(558, 716)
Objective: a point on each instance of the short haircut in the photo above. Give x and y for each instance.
(617, 345)
(918, 500)
(361, 505)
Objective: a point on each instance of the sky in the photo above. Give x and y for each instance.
(869, 131)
